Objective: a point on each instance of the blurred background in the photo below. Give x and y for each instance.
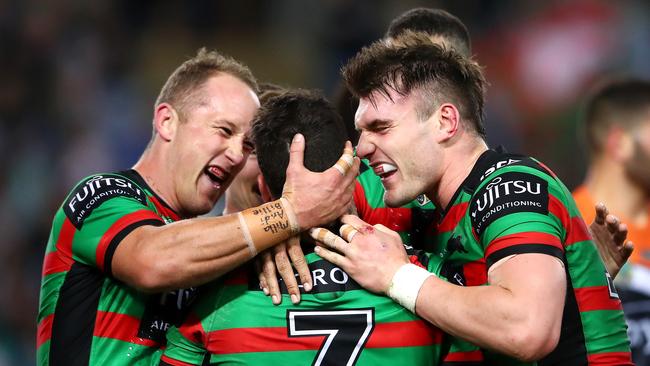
(78, 80)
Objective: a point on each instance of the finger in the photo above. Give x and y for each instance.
(627, 249)
(354, 221)
(271, 277)
(601, 213)
(296, 151)
(346, 161)
(299, 263)
(332, 257)
(347, 232)
(328, 238)
(260, 275)
(612, 223)
(620, 235)
(286, 271)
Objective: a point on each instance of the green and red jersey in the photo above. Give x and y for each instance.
(416, 224)
(415, 221)
(510, 205)
(86, 316)
(337, 323)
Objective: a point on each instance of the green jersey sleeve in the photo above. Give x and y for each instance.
(103, 209)
(519, 210)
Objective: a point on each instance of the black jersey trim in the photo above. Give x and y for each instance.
(74, 316)
(117, 239)
(522, 249)
(139, 180)
(571, 348)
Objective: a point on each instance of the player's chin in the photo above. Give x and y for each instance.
(394, 198)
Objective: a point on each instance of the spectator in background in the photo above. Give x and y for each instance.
(617, 131)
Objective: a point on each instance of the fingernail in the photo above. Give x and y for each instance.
(294, 298)
(275, 299)
(317, 249)
(265, 290)
(297, 137)
(306, 286)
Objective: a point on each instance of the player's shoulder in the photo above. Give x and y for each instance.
(92, 191)
(503, 184)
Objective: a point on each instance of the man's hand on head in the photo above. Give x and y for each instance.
(372, 256)
(319, 198)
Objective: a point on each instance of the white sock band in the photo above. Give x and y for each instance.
(406, 284)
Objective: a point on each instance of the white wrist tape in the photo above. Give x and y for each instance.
(406, 284)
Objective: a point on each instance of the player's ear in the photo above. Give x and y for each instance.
(264, 189)
(447, 121)
(165, 121)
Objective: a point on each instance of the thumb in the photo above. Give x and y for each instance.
(297, 151)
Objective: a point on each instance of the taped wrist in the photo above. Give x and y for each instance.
(406, 284)
(266, 225)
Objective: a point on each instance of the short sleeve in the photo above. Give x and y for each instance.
(103, 210)
(518, 211)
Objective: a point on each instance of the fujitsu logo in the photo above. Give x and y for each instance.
(499, 187)
(100, 183)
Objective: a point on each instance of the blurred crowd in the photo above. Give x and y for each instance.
(78, 81)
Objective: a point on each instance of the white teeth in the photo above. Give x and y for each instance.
(386, 168)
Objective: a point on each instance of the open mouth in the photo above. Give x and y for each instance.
(217, 176)
(384, 170)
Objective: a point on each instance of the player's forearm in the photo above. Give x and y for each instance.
(489, 316)
(192, 252)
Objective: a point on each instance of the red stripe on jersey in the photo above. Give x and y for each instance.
(557, 208)
(610, 358)
(397, 219)
(452, 217)
(464, 356)
(115, 229)
(529, 237)
(120, 326)
(237, 277)
(44, 330)
(163, 209)
(192, 329)
(61, 260)
(475, 273)
(173, 362)
(596, 298)
(385, 335)
(578, 231)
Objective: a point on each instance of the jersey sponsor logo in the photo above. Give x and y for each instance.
(95, 191)
(498, 165)
(326, 277)
(507, 194)
(164, 310)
